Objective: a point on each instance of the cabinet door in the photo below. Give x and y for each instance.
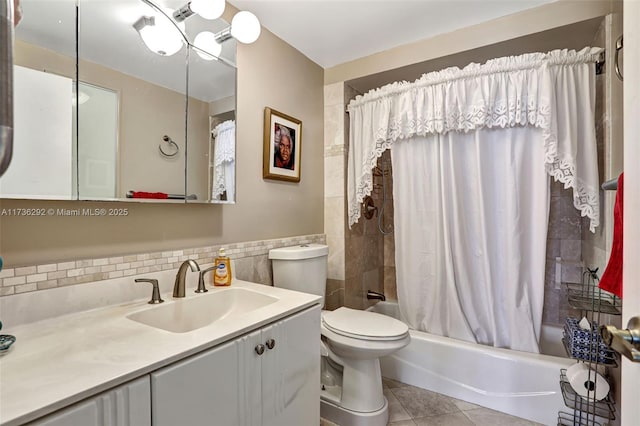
(291, 371)
(218, 387)
(126, 405)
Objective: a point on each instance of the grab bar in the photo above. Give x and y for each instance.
(6, 84)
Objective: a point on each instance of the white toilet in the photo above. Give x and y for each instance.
(352, 341)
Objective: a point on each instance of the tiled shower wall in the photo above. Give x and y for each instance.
(335, 154)
(364, 244)
(359, 258)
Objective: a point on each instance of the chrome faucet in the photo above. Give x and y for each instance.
(178, 287)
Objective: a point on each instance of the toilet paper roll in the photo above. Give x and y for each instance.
(586, 382)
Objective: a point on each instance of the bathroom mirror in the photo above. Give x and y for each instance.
(141, 127)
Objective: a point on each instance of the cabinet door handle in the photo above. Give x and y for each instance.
(260, 349)
(270, 343)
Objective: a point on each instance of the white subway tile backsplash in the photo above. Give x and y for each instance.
(7, 291)
(116, 274)
(56, 275)
(7, 273)
(52, 267)
(123, 266)
(14, 281)
(27, 270)
(25, 287)
(43, 285)
(42, 277)
(75, 272)
(66, 265)
(36, 277)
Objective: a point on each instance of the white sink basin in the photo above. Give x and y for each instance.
(184, 315)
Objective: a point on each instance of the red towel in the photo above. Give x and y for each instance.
(142, 194)
(612, 278)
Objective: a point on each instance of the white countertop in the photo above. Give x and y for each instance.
(58, 361)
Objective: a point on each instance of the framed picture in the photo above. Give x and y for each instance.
(282, 146)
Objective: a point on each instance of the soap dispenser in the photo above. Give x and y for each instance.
(222, 273)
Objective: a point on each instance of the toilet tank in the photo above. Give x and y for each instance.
(301, 268)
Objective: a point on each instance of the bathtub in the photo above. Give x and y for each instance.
(518, 383)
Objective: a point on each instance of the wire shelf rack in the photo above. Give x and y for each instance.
(585, 345)
(607, 357)
(604, 408)
(578, 418)
(589, 297)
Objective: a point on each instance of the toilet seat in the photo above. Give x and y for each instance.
(364, 325)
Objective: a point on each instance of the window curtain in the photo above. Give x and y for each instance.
(472, 150)
(224, 158)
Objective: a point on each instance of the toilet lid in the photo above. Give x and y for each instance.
(356, 323)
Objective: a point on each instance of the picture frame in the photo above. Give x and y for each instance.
(282, 146)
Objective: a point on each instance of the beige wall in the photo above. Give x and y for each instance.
(545, 17)
(270, 73)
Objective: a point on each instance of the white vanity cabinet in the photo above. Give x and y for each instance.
(126, 405)
(268, 377)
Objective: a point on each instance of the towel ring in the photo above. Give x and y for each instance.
(173, 147)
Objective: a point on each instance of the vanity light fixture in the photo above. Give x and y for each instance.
(164, 33)
(207, 46)
(208, 9)
(245, 27)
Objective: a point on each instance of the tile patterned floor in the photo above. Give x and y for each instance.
(412, 406)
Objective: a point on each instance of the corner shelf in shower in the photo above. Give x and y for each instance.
(587, 408)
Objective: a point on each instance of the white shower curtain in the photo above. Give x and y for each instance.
(472, 150)
(470, 221)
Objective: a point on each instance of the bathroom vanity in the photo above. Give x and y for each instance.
(253, 363)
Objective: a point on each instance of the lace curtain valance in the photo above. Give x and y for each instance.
(552, 91)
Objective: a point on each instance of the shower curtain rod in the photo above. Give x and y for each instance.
(599, 66)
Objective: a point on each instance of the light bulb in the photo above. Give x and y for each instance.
(245, 27)
(208, 9)
(161, 36)
(208, 48)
